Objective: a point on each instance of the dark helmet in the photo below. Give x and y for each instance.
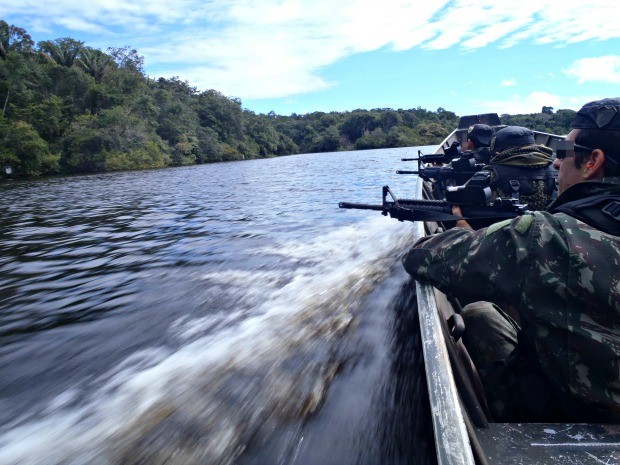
(512, 136)
(480, 134)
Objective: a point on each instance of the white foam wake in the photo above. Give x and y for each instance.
(200, 404)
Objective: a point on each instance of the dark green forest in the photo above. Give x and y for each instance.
(69, 108)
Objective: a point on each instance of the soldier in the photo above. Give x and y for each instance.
(520, 168)
(556, 357)
(478, 141)
(475, 153)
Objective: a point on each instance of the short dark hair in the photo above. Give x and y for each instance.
(606, 140)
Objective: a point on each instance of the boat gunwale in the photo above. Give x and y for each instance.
(447, 416)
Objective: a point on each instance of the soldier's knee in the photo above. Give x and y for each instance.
(478, 310)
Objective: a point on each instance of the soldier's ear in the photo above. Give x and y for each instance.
(594, 168)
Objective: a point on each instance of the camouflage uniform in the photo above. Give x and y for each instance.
(563, 276)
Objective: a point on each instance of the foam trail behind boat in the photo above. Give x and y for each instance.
(237, 373)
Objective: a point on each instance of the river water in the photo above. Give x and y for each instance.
(218, 314)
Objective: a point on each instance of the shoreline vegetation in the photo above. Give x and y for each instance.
(67, 108)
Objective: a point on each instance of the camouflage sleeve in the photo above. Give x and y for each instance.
(484, 264)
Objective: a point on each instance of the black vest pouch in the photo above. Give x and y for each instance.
(506, 175)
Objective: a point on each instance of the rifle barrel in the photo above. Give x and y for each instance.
(406, 172)
(361, 206)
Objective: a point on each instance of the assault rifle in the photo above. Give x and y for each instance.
(460, 167)
(458, 171)
(473, 198)
(449, 153)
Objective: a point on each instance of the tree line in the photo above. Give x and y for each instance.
(70, 108)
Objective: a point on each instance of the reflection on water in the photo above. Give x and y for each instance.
(204, 314)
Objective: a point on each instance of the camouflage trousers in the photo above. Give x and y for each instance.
(490, 334)
(514, 384)
(490, 337)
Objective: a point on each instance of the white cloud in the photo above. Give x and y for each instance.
(509, 83)
(599, 69)
(261, 51)
(277, 48)
(79, 24)
(531, 103)
(520, 104)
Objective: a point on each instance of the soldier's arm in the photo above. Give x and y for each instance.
(484, 264)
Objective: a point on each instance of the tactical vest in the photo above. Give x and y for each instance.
(599, 211)
(517, 180)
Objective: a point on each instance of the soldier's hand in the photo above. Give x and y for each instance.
(456, 210)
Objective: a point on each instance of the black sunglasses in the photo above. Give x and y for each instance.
(567, 148)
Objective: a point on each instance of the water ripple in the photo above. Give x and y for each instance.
(182, 311)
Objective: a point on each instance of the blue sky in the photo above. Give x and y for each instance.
(300, 56)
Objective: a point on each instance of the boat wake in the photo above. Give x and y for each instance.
(237, 374)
